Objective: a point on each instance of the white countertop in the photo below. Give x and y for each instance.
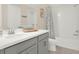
(19, 36)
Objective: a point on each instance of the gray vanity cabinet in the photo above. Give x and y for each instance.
(35, 45)
(21, 47)
(2, 51)
(31, 50)
(43, 44)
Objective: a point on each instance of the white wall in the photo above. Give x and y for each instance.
(31, 15)
(65, 20)
(14, 16)
(4, 16)
(0, 17)
(11, 16)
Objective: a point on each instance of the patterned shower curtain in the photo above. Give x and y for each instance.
(48, 17)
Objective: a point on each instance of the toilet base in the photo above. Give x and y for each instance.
(52, 45)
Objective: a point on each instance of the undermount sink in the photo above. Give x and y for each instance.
(13, 36)
(17, 34)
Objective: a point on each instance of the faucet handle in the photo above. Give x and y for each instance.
(11, 31)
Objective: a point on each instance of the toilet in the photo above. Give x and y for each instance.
(52, 44)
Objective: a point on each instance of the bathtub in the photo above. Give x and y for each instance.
(70, 43)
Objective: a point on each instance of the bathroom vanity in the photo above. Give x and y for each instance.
(25, 43)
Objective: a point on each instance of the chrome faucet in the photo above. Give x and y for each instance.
(11, 31)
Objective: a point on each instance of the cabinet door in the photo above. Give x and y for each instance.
(16, 49)
(43, 46)
(2, 51)
(31, 50)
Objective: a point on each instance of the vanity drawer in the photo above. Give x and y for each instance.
(31, 50)
(41, 37)
(21, 46)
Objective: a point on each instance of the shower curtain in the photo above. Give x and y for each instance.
(48, 18)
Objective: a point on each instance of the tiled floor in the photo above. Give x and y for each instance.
(61, 50)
